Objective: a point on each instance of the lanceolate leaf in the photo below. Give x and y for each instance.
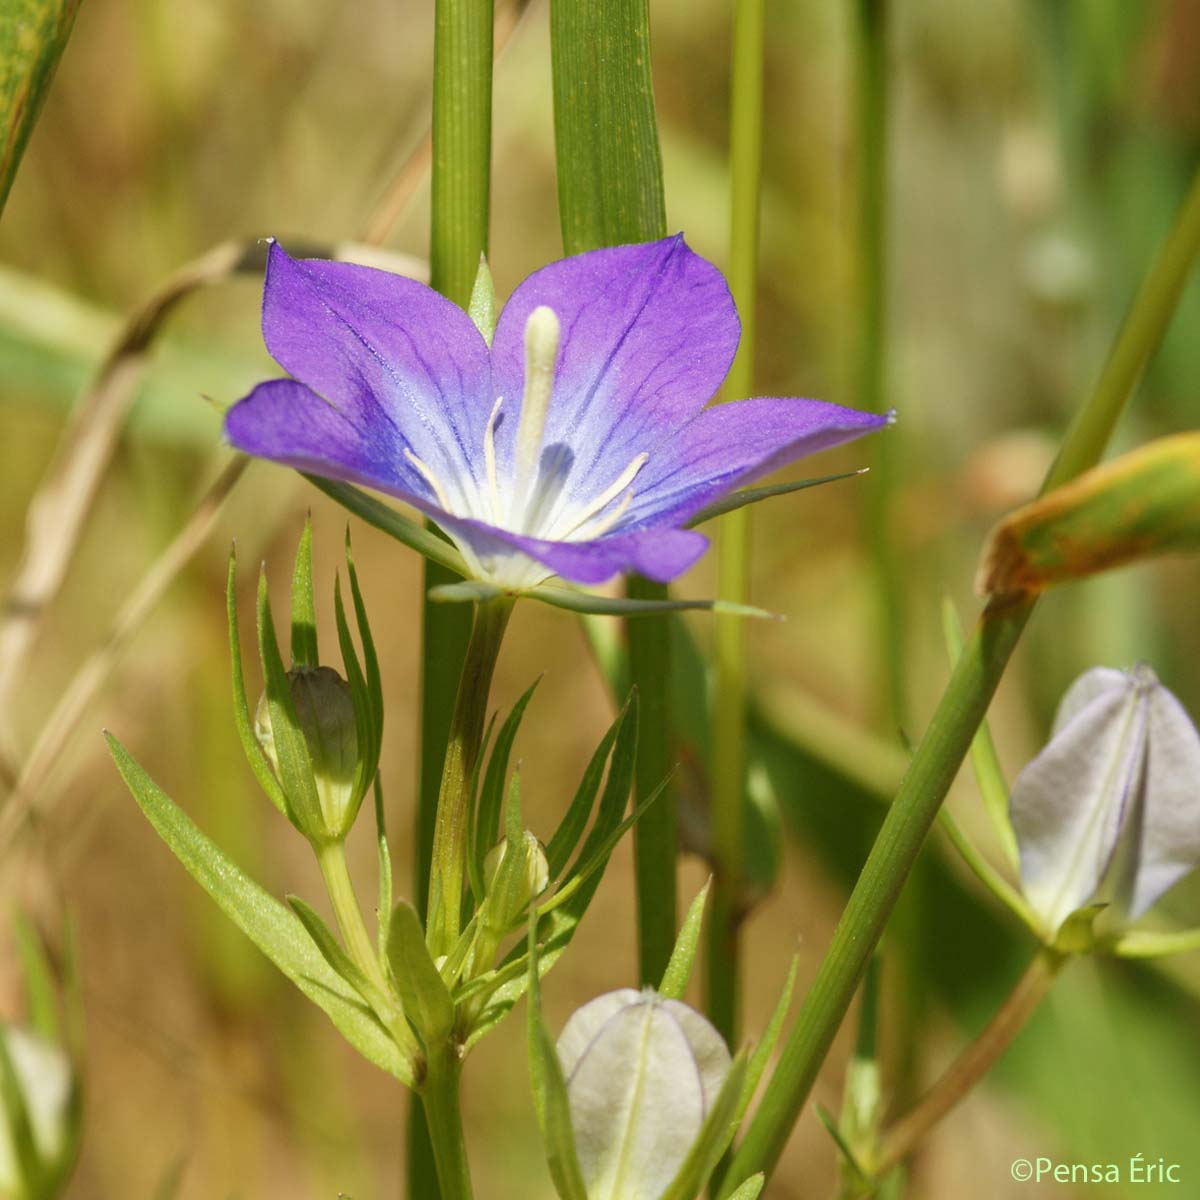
(1142, 504)
(679, 969)
(33, 35)
(304, 608)
(422, 989)
(276, 931)
(550, 1091)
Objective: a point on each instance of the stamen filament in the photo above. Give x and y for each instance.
(584, 532)
(489, 459)
(430, 478)
(606, 497)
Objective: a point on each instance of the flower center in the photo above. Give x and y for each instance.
(532, 501)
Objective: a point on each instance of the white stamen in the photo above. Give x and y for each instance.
(430, 478)
(489, 459)
(606, 497)
(541, 354)
(594, 529)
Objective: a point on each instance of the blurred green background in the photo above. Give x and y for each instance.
(1038, 152)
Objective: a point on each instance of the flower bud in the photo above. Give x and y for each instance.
(43, 1075)
(1108, 813)
(642, 1073)
(523, 881)
(325, 713)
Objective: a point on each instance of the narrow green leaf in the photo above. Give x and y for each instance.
(766, 1044)
(736, 500)
(426, 999)
(550, 1090)
(304, 607)
(295, 765)
(14, 1112)
(1145, 943)
(37, 979)
(751, 1188)
(365, 731)
(406, 531)
(606, 141)
(487, 818)
(513, 827)
(679, 969)
(33, 35)
(370, 657)
(383, 914)
(1142, 504)
(468, 591)
(482, 307)
(242, 716)
(570, 830)
(985, 762)
(331, 950)
(558, 595)
(275, 930)
(715, 1135)
(841, 1141)
(475, 864)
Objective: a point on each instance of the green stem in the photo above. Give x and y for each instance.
(654, 835)
(973, 1063)
(451, 833)
(946, 742)
(440, 1101)
(722, 963)
(459, 221)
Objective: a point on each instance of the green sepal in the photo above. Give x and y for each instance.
(736, 500)
(751, 1188)
(295, 765)
(304, 605)
(1077, 934)
(714, 1137)
(383, 914)
(37, 980)
(270, 925)
(559, 595)
(566, 837)
(563, 911)
(849, 1159)
(550, 1089)
(427, 1002)
(481, 308)
(1145, 943)
(486, 829)
(679, 967)
(242, 716)
(371, 671)
(367, 736)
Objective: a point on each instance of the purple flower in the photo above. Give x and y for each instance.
(577, 445)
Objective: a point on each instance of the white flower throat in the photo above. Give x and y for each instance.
(532, 501)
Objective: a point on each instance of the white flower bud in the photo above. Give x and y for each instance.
(642, 1073)
(47, 1084)
(1109, 812)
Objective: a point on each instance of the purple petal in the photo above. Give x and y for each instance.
(290, 424)
(403, 364)
(648, 334)
(733, 444)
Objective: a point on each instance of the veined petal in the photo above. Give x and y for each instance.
(1170, 820)
(288, 423)
(1088, 687)
(648, 334)
(402, 363)
(1069, 804)
(733, 444)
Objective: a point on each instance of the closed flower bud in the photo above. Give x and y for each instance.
(325, 712)
(642, 1073)
(514, 887)
(1109, 813)
(43, 1075)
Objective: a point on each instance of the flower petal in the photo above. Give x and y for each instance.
(733, 444)
(1090, 685)
(1068, 805)
(290, 424)
(1170, 832)
(402, 363)
(648, 334)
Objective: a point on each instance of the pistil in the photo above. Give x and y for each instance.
(542, 332)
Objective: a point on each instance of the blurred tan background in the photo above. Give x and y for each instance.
(1038, 150)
